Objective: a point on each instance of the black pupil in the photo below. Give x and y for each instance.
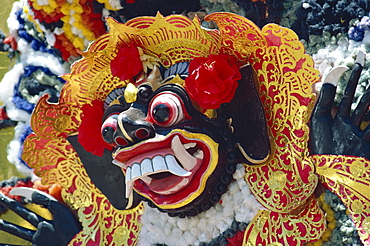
(161, 113)
(108, 134)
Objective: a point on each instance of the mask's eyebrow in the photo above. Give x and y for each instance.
(114, 109)
(113, 97)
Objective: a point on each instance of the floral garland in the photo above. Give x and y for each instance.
(330, 219)
(35, 73)
(34, 82)
(75, 22)
(27, 31)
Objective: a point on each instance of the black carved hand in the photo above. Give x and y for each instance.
(58, 231)
(340, 134)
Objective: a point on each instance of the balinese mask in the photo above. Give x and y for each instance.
(173, 127)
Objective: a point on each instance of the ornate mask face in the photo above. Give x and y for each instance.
(169, 151)
(175, 141)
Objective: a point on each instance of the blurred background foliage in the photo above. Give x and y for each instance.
(7, 170)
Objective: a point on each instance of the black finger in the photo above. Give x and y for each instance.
(326, 99)
(361, 109)
(23, 212)
(321, 135)
(346, 102)
(16, 230)
(46, 235)
(62, 216)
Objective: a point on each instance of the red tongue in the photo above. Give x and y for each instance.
(161, 185)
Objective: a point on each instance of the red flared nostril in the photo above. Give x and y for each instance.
(142, 133)
(121, 141)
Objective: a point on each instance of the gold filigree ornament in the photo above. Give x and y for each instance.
(349, 178)
(284, 184)
(285, 74)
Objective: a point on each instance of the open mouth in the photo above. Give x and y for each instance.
(167, 169)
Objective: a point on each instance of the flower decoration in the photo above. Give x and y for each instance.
(212, 80)
(148, 61)
(89, 134)
(127, 63)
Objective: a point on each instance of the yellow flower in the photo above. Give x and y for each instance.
(79, 25)
(77, 17)
(77, 8)
(68, 31)
(88, 34)
(48, 9)
(318, 242)
(53, 4)
(326, 235)
(66, 8)
(79, 43)
(36, 6)
(107, 5)
(66, 19)
(332, 225)
(330, 215)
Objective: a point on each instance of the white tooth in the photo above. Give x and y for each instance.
(188, 161)
(128, 174)
(146, 166)
(129, 182)
(189, 145)
(136, 172)
(129, 187)
(159, 163)
(174, 167)
(199, 154)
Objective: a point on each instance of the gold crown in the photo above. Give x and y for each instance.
(170, 39)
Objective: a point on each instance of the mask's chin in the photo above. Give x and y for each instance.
(171, 171)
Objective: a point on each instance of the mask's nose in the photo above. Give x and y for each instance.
(131, 128)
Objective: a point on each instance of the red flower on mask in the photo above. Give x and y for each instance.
(127, 63)
(212, 80)
(89, 133)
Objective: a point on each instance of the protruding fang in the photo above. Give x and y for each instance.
(129, 187)
(189, 145)
(174, 167)
(199, 154)
(186, 160)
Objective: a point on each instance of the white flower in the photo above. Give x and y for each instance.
(148, 61)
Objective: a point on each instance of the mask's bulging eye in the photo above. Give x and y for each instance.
(109, 128)
(161, 112)
(166, 109)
